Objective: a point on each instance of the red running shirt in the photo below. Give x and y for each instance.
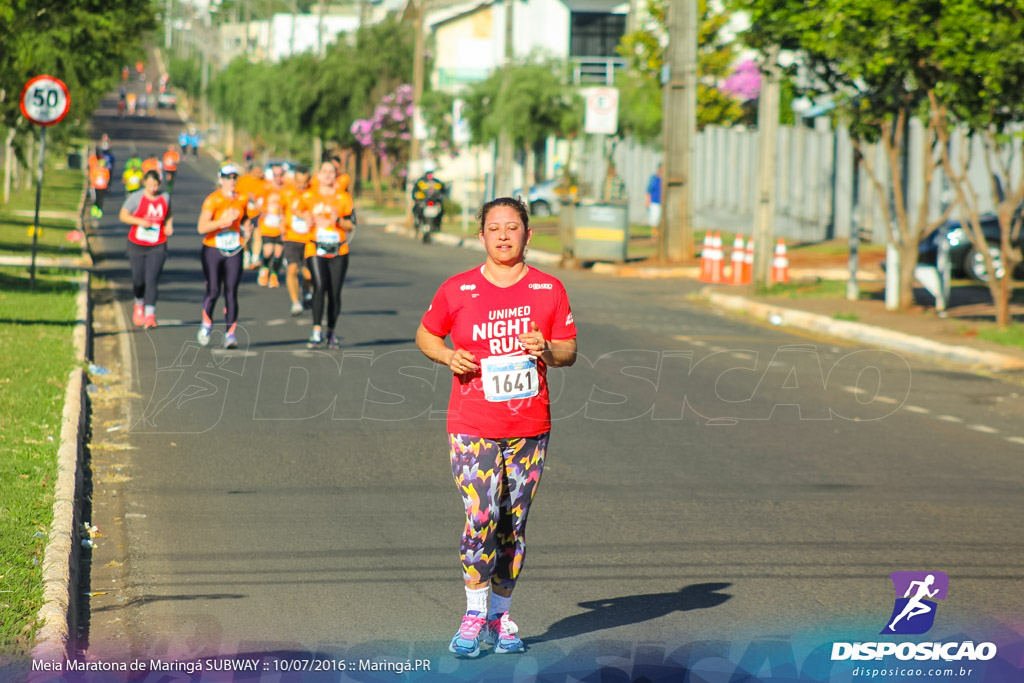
(155, 211)
(486, 320)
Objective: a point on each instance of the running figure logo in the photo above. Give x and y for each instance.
(914, 612)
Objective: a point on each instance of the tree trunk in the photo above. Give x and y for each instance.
(528, 172)
(908, 261)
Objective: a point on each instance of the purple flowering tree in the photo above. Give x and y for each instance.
(745, 82)
(388, 130)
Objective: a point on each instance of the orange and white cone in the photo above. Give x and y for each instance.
(736, 261)
(780, 263)
(748, 263)
(717, 259)
(705, 259)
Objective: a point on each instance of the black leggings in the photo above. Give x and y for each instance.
(221, 272)
(147, 264)
(328, 277)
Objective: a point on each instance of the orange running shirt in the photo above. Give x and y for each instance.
(297, 228)
(253, 189)
(171, 159)
(275, 207)
(100, 177)
(327, 211)
(229, 238)
(150, 164)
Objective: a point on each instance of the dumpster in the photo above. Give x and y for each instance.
(602, 231)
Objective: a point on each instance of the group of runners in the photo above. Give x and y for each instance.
(498, 327)
(285, 227)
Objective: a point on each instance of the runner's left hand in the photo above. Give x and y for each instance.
(533, 342)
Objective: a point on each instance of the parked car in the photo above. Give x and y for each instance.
(288, 164)
(964, 258)
(544, 198)
(167, 100)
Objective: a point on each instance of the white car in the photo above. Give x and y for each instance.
(544, 198)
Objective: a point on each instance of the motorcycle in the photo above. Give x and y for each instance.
(428, 218)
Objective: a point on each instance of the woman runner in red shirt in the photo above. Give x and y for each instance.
(148, 212)
(508, 323)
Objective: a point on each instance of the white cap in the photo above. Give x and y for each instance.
(228, 169)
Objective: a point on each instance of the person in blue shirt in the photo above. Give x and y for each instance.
(183, 142)
(193, 143)
(654, 201)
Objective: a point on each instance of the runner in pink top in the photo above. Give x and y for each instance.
(508, 323)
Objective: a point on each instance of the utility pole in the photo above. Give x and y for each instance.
(680, 131)
(417, 74)
(167, 27)
(503, 186)
(270, 33)
(291, 38)
(768, 136)
(320, 30)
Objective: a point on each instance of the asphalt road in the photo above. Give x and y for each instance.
(715, 489)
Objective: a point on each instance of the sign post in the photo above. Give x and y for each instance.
(44, 101)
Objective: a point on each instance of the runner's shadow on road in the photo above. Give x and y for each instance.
(633, 609)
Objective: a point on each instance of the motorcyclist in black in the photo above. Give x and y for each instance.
(427, 188)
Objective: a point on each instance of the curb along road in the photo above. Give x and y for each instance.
(865, 334)
(871, 335)
(60, 559)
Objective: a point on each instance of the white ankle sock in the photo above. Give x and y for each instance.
(499, 605)
(139, 302)
(476, 600)
(150, 310)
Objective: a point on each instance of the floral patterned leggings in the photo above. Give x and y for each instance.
(498, 479)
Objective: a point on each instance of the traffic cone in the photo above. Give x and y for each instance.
(717, 259)
(780, 264)
(705, 259)
(736, 261)
(748, 263)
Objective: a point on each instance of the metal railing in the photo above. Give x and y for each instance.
(596, 70)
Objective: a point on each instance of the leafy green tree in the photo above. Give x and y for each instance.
(874, 58)
(288, 103)
(84, 43)
(500, 103)
(645, 51)
(184, 74)
(978, 67)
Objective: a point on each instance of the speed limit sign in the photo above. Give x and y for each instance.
(45, 100)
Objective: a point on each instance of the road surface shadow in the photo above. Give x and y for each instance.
(633, 609)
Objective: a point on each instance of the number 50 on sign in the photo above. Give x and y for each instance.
(45, 100)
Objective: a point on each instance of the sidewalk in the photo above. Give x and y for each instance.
(919, 331)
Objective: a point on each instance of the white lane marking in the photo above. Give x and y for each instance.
(949, 418)
(917, 409)
(886, 399)
(234, 353)
(697, 342)
(742, 356)
(984, 429)
(275, 323)
(1016, 439)
(717, 349)
(855, 390)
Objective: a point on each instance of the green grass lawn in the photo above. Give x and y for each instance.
(62, 189)
(36, 355)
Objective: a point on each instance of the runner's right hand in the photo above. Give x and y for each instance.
(463, 362)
